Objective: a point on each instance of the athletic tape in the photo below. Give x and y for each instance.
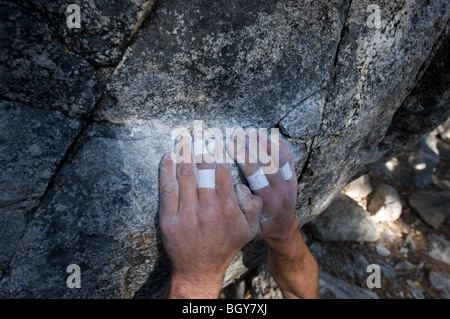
(206, 178)
(257, 180)
(286, 171)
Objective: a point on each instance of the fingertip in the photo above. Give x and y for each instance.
(243, 189)
(168, 161)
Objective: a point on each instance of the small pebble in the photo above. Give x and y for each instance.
(382, 251)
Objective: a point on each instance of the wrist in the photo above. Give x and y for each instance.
(194, 287)
(289, 245)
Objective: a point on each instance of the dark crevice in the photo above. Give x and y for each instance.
(307, 162)
(295, 106)
(341, 36)
(134, 36)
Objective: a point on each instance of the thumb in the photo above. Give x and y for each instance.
(251, 206)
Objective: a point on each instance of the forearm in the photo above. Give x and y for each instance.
(293, 267)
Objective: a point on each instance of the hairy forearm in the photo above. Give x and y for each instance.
(292, 265)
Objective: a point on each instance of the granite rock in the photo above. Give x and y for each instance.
(111, 102)
(432, 206)
(333, 288)
(439, 248)
(32, 142)
(359, 188)
(344, 220)
(38, 71)
(385, 205)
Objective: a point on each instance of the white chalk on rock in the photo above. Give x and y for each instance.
(200, 147)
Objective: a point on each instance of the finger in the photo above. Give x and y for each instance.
(278, 150)
(248, 163)
(250, 205)
(224, 182)
(205, 169)
(168, 187)
(186, 177)
(269, 163)
(279, 154)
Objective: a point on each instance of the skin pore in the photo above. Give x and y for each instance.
(203, 229)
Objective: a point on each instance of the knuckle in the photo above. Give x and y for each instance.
(229, 207)
(169, 187)
(187, 170)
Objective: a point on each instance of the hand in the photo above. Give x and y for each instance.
(279, 197)
(290, 261)
(202, 229)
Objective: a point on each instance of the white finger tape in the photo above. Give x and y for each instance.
(206, 178)
(257, 180)
(286, 172)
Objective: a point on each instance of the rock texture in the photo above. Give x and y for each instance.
(344, 220)
(414, 167)
(86, 115)
(334, 288)
(431, 206)
(385, 204)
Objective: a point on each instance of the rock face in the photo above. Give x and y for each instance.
(86, 115)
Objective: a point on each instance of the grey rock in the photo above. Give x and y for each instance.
(263, 284)
(432, 206)
(441, 282)
(382, 251)
(32, 142)
(444, 131)
(304, 121)
(385, 204)
(359, 265)
(316, 249)
(38, 71)
(386, 269)
(404, 265)
(231, 63)
(411, 121)
(204, 57)
(416, 291)
(365, 82)
(4, 287)
(334, 288)
(359, 188)
(410, 241)
(359, 260)
(106, 27)
(439, 248)
(415, 167)
(344, 220)
(239, 290)
(444, 150)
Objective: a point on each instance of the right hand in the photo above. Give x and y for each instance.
(279, 197)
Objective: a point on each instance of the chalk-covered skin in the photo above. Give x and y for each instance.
(202, 229)
(290, 261)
